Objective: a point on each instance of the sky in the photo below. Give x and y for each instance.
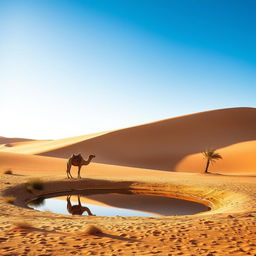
(69, 68)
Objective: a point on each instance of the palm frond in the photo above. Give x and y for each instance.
(216, 156)
(208, 153)
(211, 154)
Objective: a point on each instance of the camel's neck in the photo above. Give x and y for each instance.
(86, 162)
(86, 209)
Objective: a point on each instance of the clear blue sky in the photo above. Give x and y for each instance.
(69, 68)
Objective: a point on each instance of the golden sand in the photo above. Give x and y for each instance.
(229, 228)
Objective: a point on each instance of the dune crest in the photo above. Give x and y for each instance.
(5, 140)
(39, 146)
(172, 144)
(162, 145)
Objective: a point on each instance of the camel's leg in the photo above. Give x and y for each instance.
(79, 169)
(69, 206)
(78, 199)
(68, 170)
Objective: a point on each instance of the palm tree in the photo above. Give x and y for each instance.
(211, 155)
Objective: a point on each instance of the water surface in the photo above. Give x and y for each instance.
(121, 203)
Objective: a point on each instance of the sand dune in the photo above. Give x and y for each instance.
(164, 144)
(36, 147)
(173, 144)
(22, 144)
(5, 140)
(23, 164)
(237, 159)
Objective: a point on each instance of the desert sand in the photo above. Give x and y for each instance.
(161, 158)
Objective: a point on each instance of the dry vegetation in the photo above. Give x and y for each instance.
(22, 225)
(93, 230)
(9, 199)
(8, 171)
(35, 183)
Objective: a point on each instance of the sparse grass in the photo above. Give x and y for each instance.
(8, 171)
(93, 230)
(22, 225)
(9, 199)
(35, 183)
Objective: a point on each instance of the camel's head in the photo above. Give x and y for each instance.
(92, 156)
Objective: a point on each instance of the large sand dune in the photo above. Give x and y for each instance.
(164, 145)
(5, 140)
(173, 144)
(39, 146)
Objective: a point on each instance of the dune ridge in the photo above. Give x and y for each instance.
(4, 140)
(36, 147)
(164, 144)
(173, 144)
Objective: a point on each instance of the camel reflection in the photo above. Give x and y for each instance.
(77, 209)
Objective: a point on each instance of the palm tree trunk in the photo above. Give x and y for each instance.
(207, 165)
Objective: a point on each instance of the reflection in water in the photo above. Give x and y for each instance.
(77, 209)
(116, 203)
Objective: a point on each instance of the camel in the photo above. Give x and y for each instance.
(77, 209)
(77, 160)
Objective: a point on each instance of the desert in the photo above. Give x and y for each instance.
(128, 128)
(159, 158)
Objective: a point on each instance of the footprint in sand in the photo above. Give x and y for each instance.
(156, 233)
(2, 239)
